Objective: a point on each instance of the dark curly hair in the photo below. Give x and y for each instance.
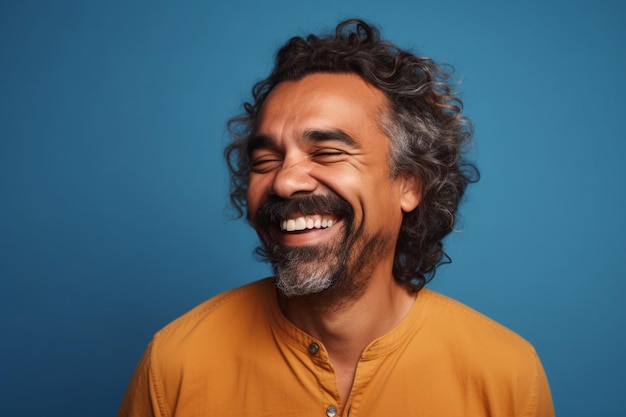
(428, 134)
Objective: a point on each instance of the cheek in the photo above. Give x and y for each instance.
(252, 200)
(383, 205)
(257, 192)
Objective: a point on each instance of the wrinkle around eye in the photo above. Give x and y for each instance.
(265, 164)
(329, 155)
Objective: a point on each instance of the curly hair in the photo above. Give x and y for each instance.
(428, 136)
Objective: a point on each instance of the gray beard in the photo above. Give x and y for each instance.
(306, 270)
(336, 271)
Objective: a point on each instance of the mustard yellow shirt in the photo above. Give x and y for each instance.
(237, 355)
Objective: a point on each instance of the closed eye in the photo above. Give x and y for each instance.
(326, 155)
(264, 163)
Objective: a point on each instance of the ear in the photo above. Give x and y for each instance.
(411, 191)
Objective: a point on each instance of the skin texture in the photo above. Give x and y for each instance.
(350, 159)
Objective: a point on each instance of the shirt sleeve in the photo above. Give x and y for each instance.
(542, 405)
(141, 398)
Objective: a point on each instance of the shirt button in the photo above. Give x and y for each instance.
(331, 411)
(314, 348)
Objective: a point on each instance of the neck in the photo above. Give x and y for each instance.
(347, 326)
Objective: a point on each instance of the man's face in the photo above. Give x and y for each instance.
(320, 192)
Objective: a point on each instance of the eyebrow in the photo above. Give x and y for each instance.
(313, 135)
(259, 142)
(338, 135)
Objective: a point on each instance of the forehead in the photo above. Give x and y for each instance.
(321, 100)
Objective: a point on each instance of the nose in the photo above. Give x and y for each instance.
(293, 178)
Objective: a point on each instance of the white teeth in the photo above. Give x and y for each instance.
(303, 223)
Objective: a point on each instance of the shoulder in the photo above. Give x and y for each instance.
(463, 321)
(220, 316)
(190, 356)
(481, 355)
(465, 333)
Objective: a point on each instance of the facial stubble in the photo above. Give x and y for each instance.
(335, 272)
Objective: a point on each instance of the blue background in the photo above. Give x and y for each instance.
(113, 190)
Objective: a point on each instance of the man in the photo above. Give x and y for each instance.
(349, 164)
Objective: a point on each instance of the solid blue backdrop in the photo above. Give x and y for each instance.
(113, 189)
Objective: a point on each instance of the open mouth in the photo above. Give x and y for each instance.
(304, 223)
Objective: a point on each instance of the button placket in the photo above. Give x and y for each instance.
(313, 349)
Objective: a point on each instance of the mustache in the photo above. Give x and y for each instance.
(275, 209)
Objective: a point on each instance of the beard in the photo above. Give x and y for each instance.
(337, 270)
